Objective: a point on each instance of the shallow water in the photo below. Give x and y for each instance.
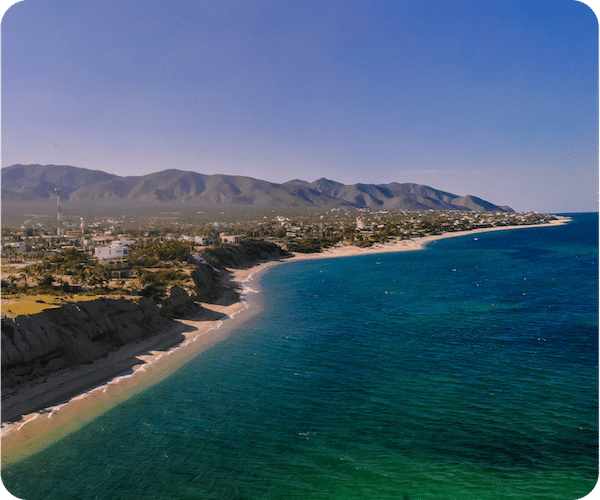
(468, 370)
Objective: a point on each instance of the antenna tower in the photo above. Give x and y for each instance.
(58, 228)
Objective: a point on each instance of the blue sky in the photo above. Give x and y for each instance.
(498, 99)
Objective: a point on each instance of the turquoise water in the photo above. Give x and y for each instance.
(465, 371)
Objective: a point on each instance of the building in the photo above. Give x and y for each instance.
(115, 251)
(204, 241)
(17, 246)
(125, 242)
(232, 239)
(115, 258)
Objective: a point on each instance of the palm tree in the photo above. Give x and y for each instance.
(23, 277)
(78, 277)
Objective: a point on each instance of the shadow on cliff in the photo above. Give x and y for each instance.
(229, 292)
(213, 276)
(49, 357)
(224, 290)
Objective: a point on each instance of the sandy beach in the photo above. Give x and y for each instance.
(75, 397)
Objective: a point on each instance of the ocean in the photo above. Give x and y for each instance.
(468, 370)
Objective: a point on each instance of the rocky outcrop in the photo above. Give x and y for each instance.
(77, 333)
(208, 282)
(178, 304)
(246, 254)
(211, 278)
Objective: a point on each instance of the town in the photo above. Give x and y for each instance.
(120, 255)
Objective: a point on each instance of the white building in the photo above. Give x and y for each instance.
(115, 251)
(125, 242)
(204, 240)
(114, 258)
(232, 239)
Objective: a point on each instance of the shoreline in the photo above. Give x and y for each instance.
(411, 244)
(83, 400)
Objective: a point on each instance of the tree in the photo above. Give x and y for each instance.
(144, 277)
(97, 275)
(23, 277)
(78, 277)
(46, 280)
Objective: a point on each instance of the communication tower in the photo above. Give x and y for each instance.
(58, 227)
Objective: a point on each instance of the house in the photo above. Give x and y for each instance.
(233, 239)
(125, 242)
(17, 246)
(115, 258)
(204, 240)
(115, 251)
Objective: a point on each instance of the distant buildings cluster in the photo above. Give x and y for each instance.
(98, 239)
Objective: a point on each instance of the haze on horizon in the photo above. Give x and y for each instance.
(494, 99)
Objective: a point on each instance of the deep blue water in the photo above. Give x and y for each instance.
(465, 371)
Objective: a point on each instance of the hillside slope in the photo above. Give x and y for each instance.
(26, 183)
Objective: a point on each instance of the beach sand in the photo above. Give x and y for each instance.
(132, 369)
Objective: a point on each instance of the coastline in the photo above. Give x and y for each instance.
(412, 244)
(83, 401)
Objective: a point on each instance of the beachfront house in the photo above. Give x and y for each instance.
(204, 241)
(232, 239)
(115, 258)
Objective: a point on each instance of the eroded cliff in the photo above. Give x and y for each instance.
(77, 333)
(36, 346)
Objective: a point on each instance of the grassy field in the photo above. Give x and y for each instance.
(32, 304)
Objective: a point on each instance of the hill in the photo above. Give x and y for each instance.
(30, 183)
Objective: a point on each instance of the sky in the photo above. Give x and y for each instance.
(495, 98)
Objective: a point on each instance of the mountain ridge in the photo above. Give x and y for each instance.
(27, 183)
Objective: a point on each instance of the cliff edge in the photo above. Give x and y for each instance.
(35, 347)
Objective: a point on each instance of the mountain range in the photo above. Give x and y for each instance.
(31, 183)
